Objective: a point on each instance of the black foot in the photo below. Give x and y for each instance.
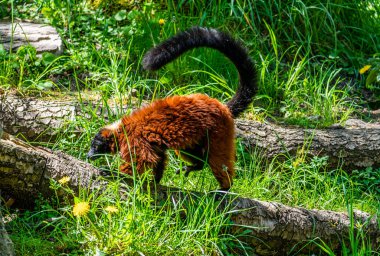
(188, 169)
(105, 171)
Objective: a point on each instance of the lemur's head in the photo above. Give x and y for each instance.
(104, 142)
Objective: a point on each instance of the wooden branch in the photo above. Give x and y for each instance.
(41, 36)
(26, 171)
(354, 147)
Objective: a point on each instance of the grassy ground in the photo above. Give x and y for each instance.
(308, 55)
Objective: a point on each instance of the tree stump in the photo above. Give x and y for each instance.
(41, 36)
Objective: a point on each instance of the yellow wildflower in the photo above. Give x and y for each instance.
(161, 21)
(64, 180)
(111, 209)
(364, 69)
(81, 209)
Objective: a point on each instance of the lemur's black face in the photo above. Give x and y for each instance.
(100, 145)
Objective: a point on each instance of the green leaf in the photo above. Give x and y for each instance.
(121, 15)
(165, 80)
(77, 200)
(46, 11)
(2, 50)
(134, 14)
(372, 76)
(44, 85)
(48, 58)
(27, 51)
(83, 18)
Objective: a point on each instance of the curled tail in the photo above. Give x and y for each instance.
(196, 37)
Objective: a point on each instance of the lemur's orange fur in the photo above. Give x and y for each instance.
(196, 124)
(199, 128)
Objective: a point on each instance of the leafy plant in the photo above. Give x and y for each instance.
(368, 180)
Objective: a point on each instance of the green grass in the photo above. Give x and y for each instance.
(308, 54)
(140, 225)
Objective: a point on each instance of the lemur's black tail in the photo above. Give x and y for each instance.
(207, 37)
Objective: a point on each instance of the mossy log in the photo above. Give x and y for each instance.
(26, 171)
(355, 146)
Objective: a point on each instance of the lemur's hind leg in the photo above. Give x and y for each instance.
(221, 155)
(191, 168)
(196, 156)
(158, 169)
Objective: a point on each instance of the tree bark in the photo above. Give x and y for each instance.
(355, 146)
(40, 119)
(275, 229)
(35, 118)
(41, 36)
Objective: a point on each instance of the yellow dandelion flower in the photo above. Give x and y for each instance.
(81, 209)
(111, 209)
(161, 22)
(364, 69)
(64, 180)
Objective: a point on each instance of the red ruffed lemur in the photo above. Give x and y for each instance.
(199, 127)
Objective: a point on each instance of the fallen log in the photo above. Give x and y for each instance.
(355, 146)
(41, 36)
(40, 119)
(25, 171)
